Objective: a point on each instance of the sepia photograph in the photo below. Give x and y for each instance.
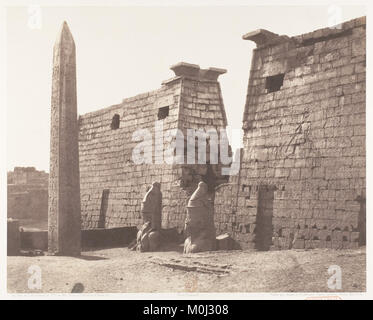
(185, 149)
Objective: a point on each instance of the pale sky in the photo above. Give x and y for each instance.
(124, 51)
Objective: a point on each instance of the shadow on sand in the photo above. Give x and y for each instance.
(91, 258)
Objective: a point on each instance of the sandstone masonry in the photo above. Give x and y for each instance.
(302, 177)
(112, 185)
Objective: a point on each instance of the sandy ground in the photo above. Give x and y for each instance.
(122, 270)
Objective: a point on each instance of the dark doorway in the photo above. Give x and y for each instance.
(362, 220)
(264, 228)
(104, 207)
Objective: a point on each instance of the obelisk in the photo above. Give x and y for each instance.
(64, 222)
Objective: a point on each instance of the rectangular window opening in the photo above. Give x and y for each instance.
(163, 113)
(115, 122)
(274, 83)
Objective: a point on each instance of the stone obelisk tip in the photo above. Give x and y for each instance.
(65, 34)
(65, 27)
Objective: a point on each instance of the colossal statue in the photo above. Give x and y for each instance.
(199, 223)
(148, 237)
(151, 206)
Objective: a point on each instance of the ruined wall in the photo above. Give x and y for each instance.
(302, 177)
(112, 186)
(27, 194)
(106, 158)
(27, 175)
(27, 202)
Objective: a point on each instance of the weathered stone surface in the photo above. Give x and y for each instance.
(27, 194)
(151, 206)
(306, 140)
(149, 236)
(148, 239)
(224, 242)
(64, 224)
(263, 37)
(184, 69)
(303, 161)
(199, 222)
(106, 162)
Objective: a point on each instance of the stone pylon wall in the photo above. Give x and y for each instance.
(302, 176)
(112, 185)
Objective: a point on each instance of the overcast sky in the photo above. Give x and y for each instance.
(124, 51)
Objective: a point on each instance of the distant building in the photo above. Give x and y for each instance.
(27, 193)
(28, 175)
